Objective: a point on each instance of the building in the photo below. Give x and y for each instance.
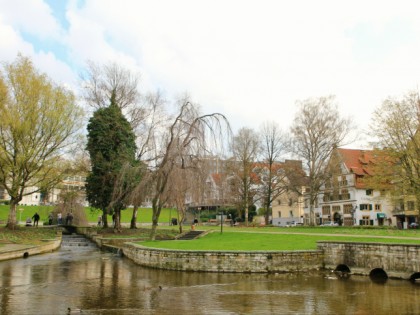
(34, 197)
(346, 198)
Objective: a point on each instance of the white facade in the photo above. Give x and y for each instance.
(347, 201)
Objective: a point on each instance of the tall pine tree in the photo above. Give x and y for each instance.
(111, 146)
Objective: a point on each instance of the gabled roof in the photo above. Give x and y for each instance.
(357, 161)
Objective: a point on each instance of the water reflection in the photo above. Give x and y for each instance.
(102, 283)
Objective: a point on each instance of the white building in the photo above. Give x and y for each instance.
(346, 199)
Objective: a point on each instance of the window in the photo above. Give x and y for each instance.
(411, 205)
(347, 208)
(326, 210)
(378, 207)
(365, 206)
(345, 195)
(279, 213)
(369, 192)
(278, 202)
(366, 220)
(291, 213)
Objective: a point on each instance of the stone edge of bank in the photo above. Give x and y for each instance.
(225, 261)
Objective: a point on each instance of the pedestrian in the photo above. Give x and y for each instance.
(99, 220)
(113, 220)
(70, 218)
(50, 219)
(67, 218)
(36, 218)
(59, 218)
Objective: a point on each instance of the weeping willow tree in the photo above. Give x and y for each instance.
(186, 139)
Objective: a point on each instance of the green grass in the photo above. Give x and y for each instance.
(24, 235)
(247, 241)
(356, 230)
(144, 214)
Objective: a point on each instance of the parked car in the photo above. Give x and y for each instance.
(293, 223)
(413, 225)
(329, 223)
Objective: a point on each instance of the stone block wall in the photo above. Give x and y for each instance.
(224, 261)
(398, 260)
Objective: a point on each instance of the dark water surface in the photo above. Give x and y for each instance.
(104, 283)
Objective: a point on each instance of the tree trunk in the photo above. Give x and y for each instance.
(181, 218)
(105, 218)
(246, 213)
(267, 213)
(311, 215)
(134, 218)
(11, 220)
(155, 220)
(117, 223)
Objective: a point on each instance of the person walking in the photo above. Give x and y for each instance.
(36, 219)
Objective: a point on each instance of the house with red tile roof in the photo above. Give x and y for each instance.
(346, 198)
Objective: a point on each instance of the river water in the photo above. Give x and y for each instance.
(89, 281)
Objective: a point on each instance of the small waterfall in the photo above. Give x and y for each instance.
(75, 240)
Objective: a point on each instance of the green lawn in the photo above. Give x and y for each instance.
(263, 241)
(144, 214)
(356, 230)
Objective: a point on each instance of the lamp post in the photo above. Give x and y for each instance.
(20, 214)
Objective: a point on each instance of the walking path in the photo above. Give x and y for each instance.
(333, 234)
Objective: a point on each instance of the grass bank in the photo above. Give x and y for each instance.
(290, 239)
(25, 235)
(144, 214)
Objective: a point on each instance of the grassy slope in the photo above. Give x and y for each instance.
(26, 235)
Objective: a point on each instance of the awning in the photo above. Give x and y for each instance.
(381, 215)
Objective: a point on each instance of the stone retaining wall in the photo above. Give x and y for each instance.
(224, 261)
(49, 246)
(397, 260)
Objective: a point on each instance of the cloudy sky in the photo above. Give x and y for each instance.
(250, 60)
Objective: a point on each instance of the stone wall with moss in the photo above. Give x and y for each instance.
(224, 261)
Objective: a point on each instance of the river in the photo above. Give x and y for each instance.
(88, 281)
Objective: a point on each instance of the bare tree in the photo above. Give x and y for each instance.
(182, 183)
(318, 129)
(187, 138)
(273, 179)
(245, 150)
(101, 81)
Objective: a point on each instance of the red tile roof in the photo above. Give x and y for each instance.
(359, 162)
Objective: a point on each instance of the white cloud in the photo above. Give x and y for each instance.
(251, 60)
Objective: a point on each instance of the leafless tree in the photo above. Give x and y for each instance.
(187, 138)
(245, 151)
(273, 179)
(318, 129)
(100, 81)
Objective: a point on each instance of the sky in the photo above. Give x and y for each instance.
(250, 60)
